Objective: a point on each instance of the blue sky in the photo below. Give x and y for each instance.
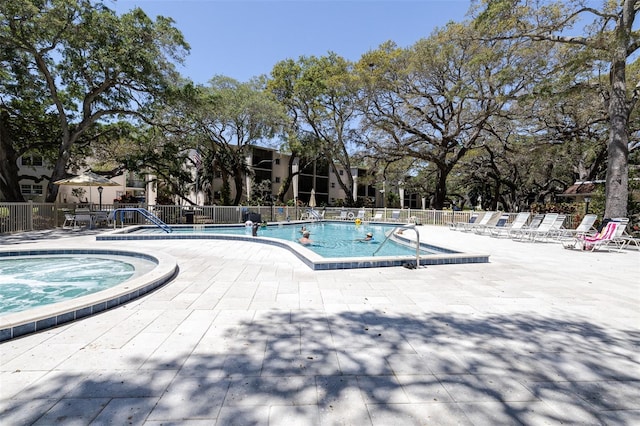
(245, 38)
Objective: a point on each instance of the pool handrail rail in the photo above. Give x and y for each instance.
(314, 214)
(147, 215)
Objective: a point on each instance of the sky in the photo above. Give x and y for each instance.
(242, 39)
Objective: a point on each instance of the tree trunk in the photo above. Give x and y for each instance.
(440, 193)
(9, 173)
(617, 180)
(237, 180)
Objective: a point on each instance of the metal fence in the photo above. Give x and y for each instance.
(30, 216)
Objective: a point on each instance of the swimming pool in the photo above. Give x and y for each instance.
(329, 239)
(138, 273)
(30, 281)
(348, 232)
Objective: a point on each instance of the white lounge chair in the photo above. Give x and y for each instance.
(518, 223)
(84, 216)
(619, 237)
(342, 215)
(395, 216)
(542, 229)
(484, 221)
(534, 224)
(457, 226)
(500, 222)
(585, 227)
(377, 216)
(554, 230)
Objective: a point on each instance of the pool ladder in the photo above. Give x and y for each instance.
(410, 226)
(144, 212)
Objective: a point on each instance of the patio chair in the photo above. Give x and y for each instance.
(628, 240)
(501, 222)
(484, 221)
(377, 216)
(543, 228)
(534, 224)
(69, 221)
(585, 227)
(457, 226)
(361, 214)
(619, 237)
(555, 230)
(395, 216)
(342, 215)
(592, 243)
(518, 223)
(84, 215)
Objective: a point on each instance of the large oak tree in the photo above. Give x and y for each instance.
(88, 64)
(607, 40)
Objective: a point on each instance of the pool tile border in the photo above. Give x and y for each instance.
(13, 325)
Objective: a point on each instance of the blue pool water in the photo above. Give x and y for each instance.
(28, 282)
(330, 239)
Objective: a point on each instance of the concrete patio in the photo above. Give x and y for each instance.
(248, 335)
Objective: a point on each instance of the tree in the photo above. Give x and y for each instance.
(542, 144)
(228, 118)
(432, 102)
(90, 64)
(320, 96)
(608, 42)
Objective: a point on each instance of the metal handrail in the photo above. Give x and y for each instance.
(147, 214)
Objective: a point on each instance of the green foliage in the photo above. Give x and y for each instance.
(319, 94)
(86, 65)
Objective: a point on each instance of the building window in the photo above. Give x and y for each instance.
(31, 160)
(31, 189)
(333, 184)
(277, 179)
(277, 161)
(341, 172)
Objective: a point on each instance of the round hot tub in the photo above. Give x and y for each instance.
(44, 288)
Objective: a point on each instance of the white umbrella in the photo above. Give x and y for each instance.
(87, 179)
(312, 199)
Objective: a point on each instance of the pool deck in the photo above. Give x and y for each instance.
(248, 334)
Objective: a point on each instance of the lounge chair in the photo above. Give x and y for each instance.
(619, 237)
(585, 227)
(543, 228)
(457, 226)
(484, 221)
(312, 214)
(84, 216)
(592, 243)
(395, 216)
(361, 214)
(518, 223)
(377, 216)
(556, 229)
(534, 224)
(342, 215)
(501, 222)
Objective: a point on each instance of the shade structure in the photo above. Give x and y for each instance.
(87, 179)
(312, 199)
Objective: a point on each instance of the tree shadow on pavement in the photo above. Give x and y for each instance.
(361, 368)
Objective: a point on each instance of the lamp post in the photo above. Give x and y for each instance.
(100, 189)
(587, 200)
